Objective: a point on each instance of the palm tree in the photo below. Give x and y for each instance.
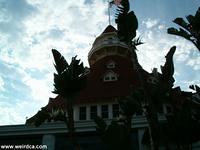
(115, 136)
(68, 81)
(44, 115)
(130, 105)
(127, 25)
(189, 29)
(183, 127)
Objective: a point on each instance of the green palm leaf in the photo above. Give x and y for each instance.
(189, 30)
(69, 80)
(127, 22)
(60, 62)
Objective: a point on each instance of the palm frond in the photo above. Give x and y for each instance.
(101, 125)
(179, 32)
(132, 103)
(168, 68)
(195, 88)
(181, 22)
(189, 30)
(60, 62)
(127, 22)
(71, 80)
(137, 42)
(126, 5)
(190, 19)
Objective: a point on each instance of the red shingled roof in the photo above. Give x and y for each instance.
(57, 102)
(109, 29)
(97, 90)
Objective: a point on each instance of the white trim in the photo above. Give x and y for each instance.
(87, 112)
(99, 110)
(110, 76)
(49, 141)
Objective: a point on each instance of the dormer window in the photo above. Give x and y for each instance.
(111, 65)
(110, 76)
(152, 80)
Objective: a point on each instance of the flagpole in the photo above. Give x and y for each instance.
(109, 12)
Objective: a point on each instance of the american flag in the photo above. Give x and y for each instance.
(116, 2)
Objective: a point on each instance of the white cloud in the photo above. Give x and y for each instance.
(16, 113)
(25, 50)
(150, 23)
(9, 115)
(40, 89)
(156, 45)
(195, 63)
(68, 26)
(1, 84)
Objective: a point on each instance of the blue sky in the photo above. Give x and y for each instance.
(29, 29)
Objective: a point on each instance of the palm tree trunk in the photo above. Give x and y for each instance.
(129, 123)
(152, 120)
(71, 127)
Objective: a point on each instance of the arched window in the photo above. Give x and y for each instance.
(110, 76)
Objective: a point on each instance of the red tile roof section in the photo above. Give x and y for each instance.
(98, 91)
(109, 29)
(57, 102)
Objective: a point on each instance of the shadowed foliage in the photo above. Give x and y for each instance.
(189, 29)
(68, 81)
(127, 22)
(129, 105)
(168, 70)
(44, 115)
(116, 135)
(60, 62)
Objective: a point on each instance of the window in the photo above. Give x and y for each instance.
(152, 80)
(110, 76)
(168, 109)
(93, 112)
(111, 65)
(115, 110)
(160, 110)
(82, 113)
(104, 111)
(139, 113)
(110, 40)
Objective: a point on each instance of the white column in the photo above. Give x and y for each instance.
(76, 113)
(98, 110)
(140, 135)
(164, 109)
(88, 112)
(49, 141)
(110, 114)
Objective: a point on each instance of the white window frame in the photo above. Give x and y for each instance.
(110, 76)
